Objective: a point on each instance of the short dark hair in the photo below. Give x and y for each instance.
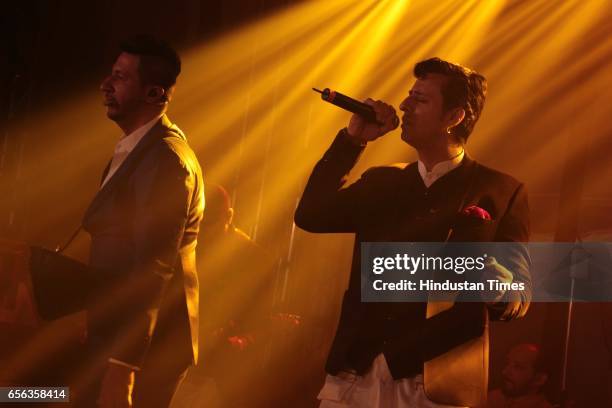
(464, 88)
(159, 64)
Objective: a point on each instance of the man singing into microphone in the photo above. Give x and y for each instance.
(391, 354)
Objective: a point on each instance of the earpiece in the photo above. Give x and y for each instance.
(159, 92)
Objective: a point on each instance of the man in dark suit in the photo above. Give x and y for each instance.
(438, 352)
(144, 221)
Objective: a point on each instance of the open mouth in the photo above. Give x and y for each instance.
(108, 100)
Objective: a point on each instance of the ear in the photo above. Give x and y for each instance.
(156, 95)
(454, 117)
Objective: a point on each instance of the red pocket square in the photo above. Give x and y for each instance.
(476, 212)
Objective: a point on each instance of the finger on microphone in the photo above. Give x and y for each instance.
(386, 114)
(380, 111)
(393, 118)
(396, 121)
(391, 121)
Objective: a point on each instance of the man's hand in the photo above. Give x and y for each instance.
(361, 131)
(117, 386)
(496, 271)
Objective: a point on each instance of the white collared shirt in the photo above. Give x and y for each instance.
(440, 169)
(126, 144)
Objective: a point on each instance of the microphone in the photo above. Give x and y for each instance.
(351, 105)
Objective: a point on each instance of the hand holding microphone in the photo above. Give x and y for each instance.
(364, 131)
(371, 119)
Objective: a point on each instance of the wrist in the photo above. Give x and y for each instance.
(353, 139)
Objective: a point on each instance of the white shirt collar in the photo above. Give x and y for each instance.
(439, 169)
(128, 142)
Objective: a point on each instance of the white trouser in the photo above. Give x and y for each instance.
(377, 389)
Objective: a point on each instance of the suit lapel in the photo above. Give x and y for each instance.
(156, 132)
(106, 170)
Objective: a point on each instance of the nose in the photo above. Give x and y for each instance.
(105, 85)
(405, 105)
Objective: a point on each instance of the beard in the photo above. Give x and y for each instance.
(113, 113)
(117, 112)
(407, 136)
